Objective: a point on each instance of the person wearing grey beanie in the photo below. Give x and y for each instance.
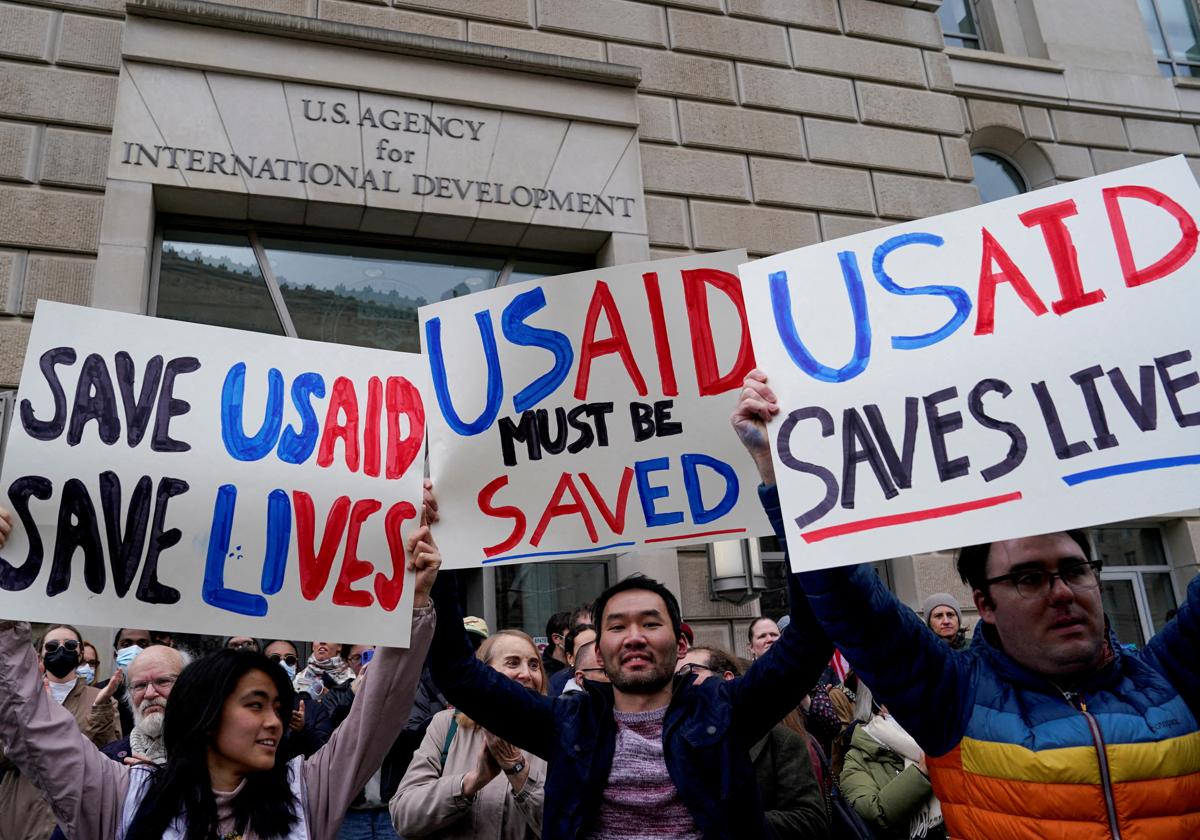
(943, 616)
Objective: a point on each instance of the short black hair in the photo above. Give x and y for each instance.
(559, 624)
(120, 630)
(582, 610)
(569, 641)
(719, 661)
(639, 581)
(972, 559)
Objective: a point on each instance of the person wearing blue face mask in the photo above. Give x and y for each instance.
(24, 813)
(310, 725)
(89, 661)
(127, 643)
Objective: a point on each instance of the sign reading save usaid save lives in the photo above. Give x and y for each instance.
(211, 480)
(1017, 368)
(589, 413)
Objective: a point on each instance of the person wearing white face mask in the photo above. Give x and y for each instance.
(310, 725)
(24, 813)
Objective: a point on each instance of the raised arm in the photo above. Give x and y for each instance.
(85, 789)
(906, 665)
(778, 681)
(337, 772)
(502, 706)
(1173, 649)
(924, 683)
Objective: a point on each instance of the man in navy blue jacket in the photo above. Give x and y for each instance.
(648, 754)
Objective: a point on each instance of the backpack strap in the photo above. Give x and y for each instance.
(449, 738)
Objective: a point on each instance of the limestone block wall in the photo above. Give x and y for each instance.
(58, 84)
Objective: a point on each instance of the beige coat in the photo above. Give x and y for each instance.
(24, 813)
(427, 803)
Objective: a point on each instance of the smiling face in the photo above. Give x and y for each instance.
(1059, 633)
(637, 644)
(944, 621)
(250, 728)
(518, 660)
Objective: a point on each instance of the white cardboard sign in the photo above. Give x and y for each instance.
(210, 480)
(1017, 368)
(589, 413)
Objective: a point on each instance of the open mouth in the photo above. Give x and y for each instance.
(635, 659)
(270, 743)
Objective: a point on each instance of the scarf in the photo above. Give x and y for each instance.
(886, 731)
(312, 675)
(153, 748)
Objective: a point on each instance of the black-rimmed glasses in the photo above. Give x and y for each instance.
(1035, 583)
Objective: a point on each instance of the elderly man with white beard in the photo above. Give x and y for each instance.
(152, 675)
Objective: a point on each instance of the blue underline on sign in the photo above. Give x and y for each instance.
(1131, 467)
(556, 553)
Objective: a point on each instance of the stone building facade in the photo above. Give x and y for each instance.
(763, 124)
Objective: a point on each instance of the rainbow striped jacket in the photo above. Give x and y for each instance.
(1016, 757)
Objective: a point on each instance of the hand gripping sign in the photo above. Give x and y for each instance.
(589, 413)
(211, 480)
(1017, 368)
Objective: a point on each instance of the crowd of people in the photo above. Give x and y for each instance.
(1036, 724)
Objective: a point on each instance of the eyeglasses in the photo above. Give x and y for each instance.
(289, 658)
(1035, 583)
(693, 668)
(160, 683)
(95, 663)
(590, 670)
(128, 642)
(53, 645)
(243, 645)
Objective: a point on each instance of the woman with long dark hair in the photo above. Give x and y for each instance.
(222, 728)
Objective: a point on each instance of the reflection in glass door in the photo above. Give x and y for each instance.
(1121, 606)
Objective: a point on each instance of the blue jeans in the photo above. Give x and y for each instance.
(370, 824)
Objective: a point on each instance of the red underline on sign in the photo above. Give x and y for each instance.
(905, 518)
(700, 534)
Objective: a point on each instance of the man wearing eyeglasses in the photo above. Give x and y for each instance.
(1044, 726)
(152, 675)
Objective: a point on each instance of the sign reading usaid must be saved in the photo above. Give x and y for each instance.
(273, 138)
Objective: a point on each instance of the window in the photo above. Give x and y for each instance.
(1138, 588)
(1174, 32)
(958, 24)
(364, 294)
(527, 595)
(996, 177)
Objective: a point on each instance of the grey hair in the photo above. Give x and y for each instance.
(186, 657)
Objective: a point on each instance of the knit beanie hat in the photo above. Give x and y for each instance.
(940, 599)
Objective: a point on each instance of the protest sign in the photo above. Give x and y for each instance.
(1020, 367)
(589, 413)
(209, 480)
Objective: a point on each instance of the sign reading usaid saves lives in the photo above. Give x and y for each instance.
(1017, 368)
(589, 413)
(211, 480)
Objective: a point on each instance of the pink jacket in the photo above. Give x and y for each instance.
(88, 790)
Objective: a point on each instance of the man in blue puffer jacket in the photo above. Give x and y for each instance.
(1044, 726)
